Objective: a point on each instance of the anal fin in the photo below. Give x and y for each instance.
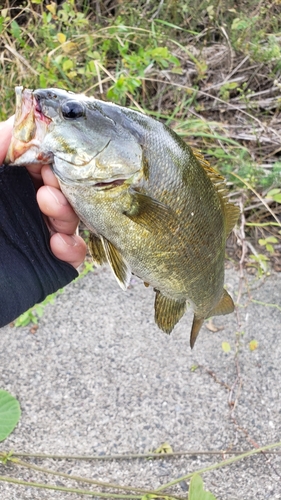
(118, 264)
(167, 312)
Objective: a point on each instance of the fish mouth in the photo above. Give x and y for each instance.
(38, 114)
(110, 184)
(99, 185)
(30, 127)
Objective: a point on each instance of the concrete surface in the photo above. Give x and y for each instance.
(98, 377)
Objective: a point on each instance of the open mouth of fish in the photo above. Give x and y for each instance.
(30, 128)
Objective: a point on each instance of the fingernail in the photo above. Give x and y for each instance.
(68, 240)
(60, 199)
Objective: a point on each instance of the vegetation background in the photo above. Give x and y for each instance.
(210, 69)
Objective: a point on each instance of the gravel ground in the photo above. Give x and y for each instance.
(99, 378)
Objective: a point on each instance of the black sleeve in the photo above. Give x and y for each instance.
(28, 269)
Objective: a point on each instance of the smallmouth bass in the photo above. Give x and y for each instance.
(154, 206)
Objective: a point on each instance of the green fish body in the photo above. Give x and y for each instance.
(155, 208)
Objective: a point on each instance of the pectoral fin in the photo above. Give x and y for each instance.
(152, 214)
(118, 264)
(96, 250)
(167, 312)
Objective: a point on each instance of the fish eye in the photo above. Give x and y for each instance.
(72, 109)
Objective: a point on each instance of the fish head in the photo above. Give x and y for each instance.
(75, 135)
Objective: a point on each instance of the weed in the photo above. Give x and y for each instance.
(267, 242)
(36, 312)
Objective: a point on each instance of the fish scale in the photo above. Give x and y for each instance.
(155, 207)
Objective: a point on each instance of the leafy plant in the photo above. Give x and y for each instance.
(226, 347)
(196, 489)
(261, 263)
(253, 345)
(267, 243)
(36, 312)
(9, 414)
(274, 194)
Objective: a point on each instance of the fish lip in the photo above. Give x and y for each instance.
(25, 132)
(37, 109)
(98, 186)
(109, 184)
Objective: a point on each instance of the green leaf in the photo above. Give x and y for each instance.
(269, 248)
(277, 198)
(239, 24)
(196, 490)
(272, 192)
(164, 448)
(67, 64)
(271, 239)
(225, 346)
(2, 23)
(253, 345)
(194, 367)
(15, 29)
(9, 414)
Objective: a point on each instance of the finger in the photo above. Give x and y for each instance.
(49, 177)
(71, 249)
(53, 203)
(42, 175)
(35, 172)
(6, 135)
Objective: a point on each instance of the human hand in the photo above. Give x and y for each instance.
(5, 137)
(60, 218)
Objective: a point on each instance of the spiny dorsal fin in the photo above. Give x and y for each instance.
(118, 264)
(167, 312)
(96, 250)
(231, 212)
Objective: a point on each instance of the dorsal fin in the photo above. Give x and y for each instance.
(231, 212)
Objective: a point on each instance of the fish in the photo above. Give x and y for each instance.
(154, 206)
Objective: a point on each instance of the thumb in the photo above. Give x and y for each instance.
(5, 137)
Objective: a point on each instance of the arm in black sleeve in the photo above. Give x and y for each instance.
(28, 269)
